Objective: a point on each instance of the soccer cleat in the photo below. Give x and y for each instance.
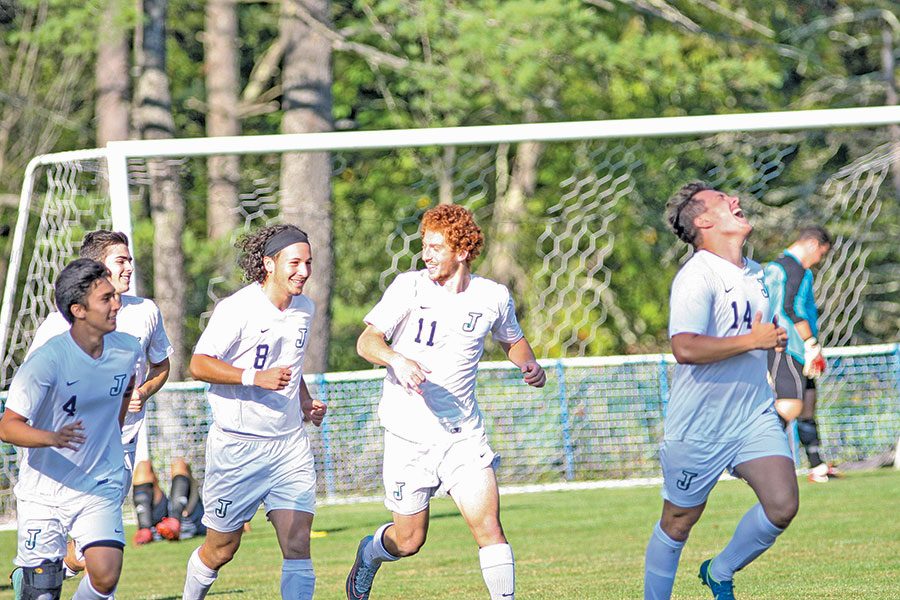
(142, 536)
(15, 581)
(721, 590)
(822, 473)
(169, 528)
(359, 581)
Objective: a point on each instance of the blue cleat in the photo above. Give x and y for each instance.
(721, 590)
(359, 581)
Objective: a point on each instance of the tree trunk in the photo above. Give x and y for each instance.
(112, 75)
(154, 120)
(888, 67)
(306, 177)
(222, 83)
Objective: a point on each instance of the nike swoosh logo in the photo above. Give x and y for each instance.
(118, 531)
(71, 382)
(729, 289)
(508, 595)
(264, 330)
(425, 307)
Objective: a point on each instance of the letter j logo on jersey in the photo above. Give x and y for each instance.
(301, 341)
(222, 509)
(469, 327)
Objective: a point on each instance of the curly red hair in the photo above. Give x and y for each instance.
(458, 227)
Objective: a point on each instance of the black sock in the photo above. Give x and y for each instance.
(809, 437)
(181, 491)
(143, 505)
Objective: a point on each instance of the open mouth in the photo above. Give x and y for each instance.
(738, 213)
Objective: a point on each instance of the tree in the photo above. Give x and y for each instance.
(306, 177)
(153, 114)
(112, 76)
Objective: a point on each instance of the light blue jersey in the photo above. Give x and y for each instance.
(717, 402)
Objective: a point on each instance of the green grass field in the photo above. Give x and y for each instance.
(844, 544)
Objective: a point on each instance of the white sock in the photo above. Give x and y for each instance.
(375, 553)
(86, 591)
(754, 535)
(199, 578)
(69, 572)
(660, 565)
(298, 580)
(498, 567)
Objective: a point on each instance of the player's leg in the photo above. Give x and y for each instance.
(292, 527)
(290, 506)
(236, 482)
(808, 428)
(410, 479)
(766, 465)
(467, 472)
(41, 546)
(179, 496)
(690, 472)
(788, 382)
(97, 528)
(150, 502)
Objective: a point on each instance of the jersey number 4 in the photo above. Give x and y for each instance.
(747, 318)
(69, 406)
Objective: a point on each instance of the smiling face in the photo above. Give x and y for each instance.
(121, 266)
(440, 260)
(100, 307)
(288, 271)
(723, 214)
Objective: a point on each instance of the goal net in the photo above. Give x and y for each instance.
(573, 219)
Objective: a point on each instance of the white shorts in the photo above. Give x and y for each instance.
(691, 469)
(90, 520)
(240, 474)
(413, 471)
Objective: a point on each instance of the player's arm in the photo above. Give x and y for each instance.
(157, 376)
(214, 370)
(15, 430)
(521, 354)
(313, 410)
(697, 349)
(373, 347)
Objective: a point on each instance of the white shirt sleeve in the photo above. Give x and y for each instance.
(31, 384)
(222, 332)
(506, 329)
(51, 327)
(160, 348)
(394, 305)
(690, 303)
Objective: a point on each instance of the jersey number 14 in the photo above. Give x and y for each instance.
(747, 318)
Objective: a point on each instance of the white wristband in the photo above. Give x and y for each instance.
(248, 376)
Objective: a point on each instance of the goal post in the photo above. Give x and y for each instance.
(572, 213)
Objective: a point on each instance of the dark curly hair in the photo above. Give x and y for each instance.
(75, 283)
(683, 208)
(458, 227)
(252, 246)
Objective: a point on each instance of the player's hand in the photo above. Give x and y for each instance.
(314, 410)
(69, 437)
(765, 336)
(276, 378)
(813, 361)
(409, 373)
(138, 399)
(534, 374)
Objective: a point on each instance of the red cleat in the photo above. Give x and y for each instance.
(142, 536)
(169, 528)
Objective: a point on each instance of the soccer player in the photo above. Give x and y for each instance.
(790, 281)
(65, 410)
(251, 353)
(141, 318)
(721, 411)
(437, 320)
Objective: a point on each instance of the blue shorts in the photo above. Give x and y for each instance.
(691, 469)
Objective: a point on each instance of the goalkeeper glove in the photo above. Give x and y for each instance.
(813, 361)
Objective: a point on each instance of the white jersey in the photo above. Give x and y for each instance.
(138, 317)
(717, 401)
(60, 384)
(247, 331)
(445, 333)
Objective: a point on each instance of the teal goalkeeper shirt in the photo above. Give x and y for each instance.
(791, 290)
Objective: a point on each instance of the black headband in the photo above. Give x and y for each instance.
(283, 239)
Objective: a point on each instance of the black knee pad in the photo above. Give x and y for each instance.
(808, 432)
(143, 505)
(43, 582)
